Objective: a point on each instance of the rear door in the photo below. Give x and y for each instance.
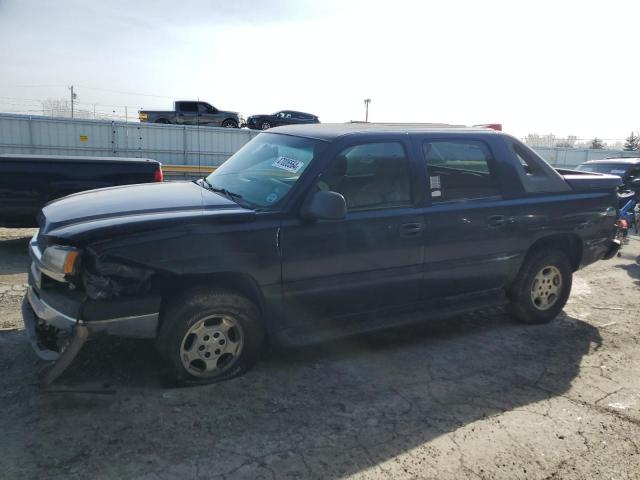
(371, 259)
(470, 238)
(187, 113)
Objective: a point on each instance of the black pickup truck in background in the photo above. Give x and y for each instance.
(28, 182)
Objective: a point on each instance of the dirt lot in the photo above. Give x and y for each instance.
(472, 397)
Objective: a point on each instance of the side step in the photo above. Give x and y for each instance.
(388, 319)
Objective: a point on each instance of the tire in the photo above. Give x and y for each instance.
(266, 125)
(230, 124)
(541, 288)
(162, 121)
(210, 335)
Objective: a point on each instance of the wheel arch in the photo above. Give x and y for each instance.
(230, 119)
(568, 243)
(239, 282)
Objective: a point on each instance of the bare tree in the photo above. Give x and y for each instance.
(597, 144)
(56, 107)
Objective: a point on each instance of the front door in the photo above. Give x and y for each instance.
(372, 258)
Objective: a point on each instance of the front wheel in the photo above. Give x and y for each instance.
(265, 125)
(542, 287)
(210, 335)
(230, 124)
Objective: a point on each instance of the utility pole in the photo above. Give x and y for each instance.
(367, 101)
(73, 97)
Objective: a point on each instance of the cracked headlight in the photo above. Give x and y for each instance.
(61, 259)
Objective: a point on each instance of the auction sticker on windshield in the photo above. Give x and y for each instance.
(288, 164)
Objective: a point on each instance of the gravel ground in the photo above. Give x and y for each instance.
(473, 397)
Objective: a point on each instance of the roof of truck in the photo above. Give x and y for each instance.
(330, 131)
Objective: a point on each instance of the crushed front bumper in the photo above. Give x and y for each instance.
(58, 319)
(38, 314)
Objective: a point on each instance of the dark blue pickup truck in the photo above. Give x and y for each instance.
(309, 232)
(28, 182)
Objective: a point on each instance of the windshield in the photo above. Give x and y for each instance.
(610, 168)
(264, 171)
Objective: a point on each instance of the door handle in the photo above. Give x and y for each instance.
(496, 220)
(411, 229)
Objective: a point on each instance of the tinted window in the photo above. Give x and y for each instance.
(202, 108)
(610, 168)
(459, 170)
(189, 107)
(374, 175)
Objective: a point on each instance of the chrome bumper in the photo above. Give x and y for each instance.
(139, 326)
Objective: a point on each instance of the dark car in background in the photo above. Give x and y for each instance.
(626, 168)
(192, 113)
(283, 117)
(28, 182)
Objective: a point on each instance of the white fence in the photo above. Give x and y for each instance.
(570, 157)
(172, 144)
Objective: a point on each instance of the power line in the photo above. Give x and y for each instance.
(124, 93)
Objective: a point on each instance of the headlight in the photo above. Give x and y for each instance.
(61, 259)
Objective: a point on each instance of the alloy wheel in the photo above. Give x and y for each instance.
(546, 287)
(212, 345)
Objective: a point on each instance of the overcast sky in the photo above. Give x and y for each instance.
(563, 67)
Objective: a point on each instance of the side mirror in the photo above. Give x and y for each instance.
(325, 206)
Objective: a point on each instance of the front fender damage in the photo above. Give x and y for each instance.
(105, 277)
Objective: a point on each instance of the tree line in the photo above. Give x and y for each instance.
(631, 143)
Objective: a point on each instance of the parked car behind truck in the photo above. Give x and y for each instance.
(192, 113)
(28, 182)
(310, 232)
(281, 118)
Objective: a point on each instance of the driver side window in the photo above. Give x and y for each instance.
(459, 170)
(202, 108)
(370, 176)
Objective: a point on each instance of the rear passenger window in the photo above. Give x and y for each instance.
(459, 170)
(370, 176)
(189, 107)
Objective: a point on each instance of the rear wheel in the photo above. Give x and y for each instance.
(230, 124)
(209, 336)
(542, 287)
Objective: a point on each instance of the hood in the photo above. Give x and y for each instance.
(225, 112)
(131, 208)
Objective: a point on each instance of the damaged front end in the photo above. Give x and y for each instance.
(105, 278)
(75, 294)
